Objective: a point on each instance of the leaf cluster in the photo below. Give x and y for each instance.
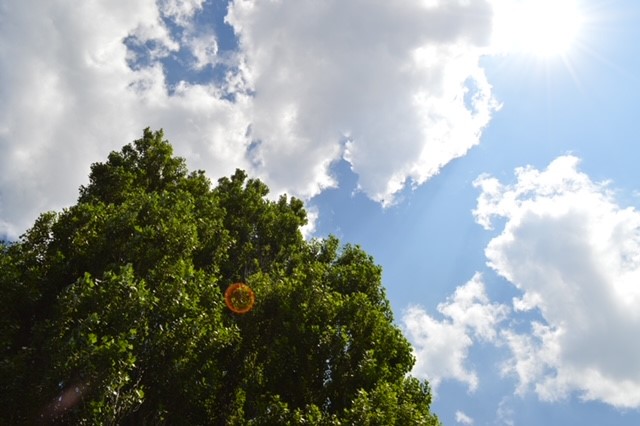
(113, 309)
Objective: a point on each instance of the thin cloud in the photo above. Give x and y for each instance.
(182, 11)
(442, 346)
(505, 412)
(575, 255)
(462, 418)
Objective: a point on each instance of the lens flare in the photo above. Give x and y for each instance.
(239, 298)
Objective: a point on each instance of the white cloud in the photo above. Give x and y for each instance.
(68, 98)
(575, 255)
(505, 412)
(390, 77)
(312, 220)
(393, 87)
(180, 10)
(441, 347)
(204, 49)
(463, 418)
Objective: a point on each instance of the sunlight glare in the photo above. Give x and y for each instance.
(543, 28)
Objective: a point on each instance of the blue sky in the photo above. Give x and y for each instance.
(493, 177)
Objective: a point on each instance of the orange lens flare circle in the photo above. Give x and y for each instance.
(239, 298)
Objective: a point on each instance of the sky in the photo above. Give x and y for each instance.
(482, 151)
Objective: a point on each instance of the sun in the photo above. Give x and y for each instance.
(543, 28)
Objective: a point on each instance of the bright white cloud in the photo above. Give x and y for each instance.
(442, 346)
(393, 87)
(69, 97)
(399, 81)
(462, 418)
(309, 229)
(575, 255)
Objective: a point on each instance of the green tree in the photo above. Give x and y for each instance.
(114, 313)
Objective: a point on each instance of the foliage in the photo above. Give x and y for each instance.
(113, 310)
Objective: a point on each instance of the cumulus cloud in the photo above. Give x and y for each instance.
(392, 87)
(442, 346)
(397, 82)
(574, 252)
(70, 97)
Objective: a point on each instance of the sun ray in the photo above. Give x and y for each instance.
(541, 28)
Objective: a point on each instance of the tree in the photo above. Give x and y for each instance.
(114, 310)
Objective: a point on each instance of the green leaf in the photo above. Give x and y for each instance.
(93, 338)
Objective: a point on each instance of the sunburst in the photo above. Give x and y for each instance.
(542, 28)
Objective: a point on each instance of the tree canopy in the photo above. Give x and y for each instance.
(114, 310)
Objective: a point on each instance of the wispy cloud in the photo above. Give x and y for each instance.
(182, 11)
(505, 413)
(442, 346)
(462, 418)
